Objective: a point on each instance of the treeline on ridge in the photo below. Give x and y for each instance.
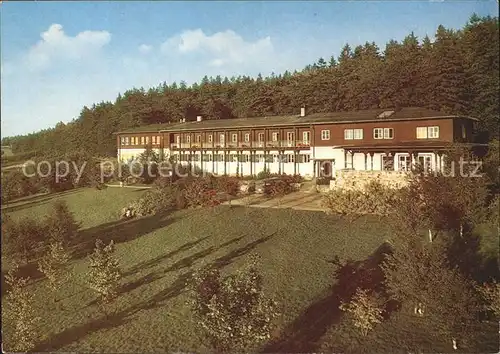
(456, 73)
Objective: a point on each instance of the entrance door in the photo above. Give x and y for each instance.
(325, 169)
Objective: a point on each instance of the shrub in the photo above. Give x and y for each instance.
(233, 313)
(20, 311)
(104, 275)
(362, 311)
(162, 182)
(153, 202)
(199, 191)
(279, 187)
(61, 224)
(228, 185)
(265, 173)
(373, 199)
(15, 185)
(54, 266)
(24, 238)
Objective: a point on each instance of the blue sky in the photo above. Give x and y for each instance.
(59, 56)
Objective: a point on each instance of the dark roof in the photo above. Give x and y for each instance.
(409, 113)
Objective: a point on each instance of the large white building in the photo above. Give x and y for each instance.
(314, 145)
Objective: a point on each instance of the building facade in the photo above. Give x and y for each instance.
(315, 145)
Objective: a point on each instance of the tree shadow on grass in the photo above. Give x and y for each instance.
(118, 231)
(157, 260)
(179, 286)
(305, 332)
(177, 266)
(189, 261)
(72, 334)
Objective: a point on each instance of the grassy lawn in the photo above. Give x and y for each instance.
(158, 255)
(91, 206)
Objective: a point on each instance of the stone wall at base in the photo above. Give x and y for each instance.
(354, 179)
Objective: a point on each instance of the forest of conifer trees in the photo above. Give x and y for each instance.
(457, 72)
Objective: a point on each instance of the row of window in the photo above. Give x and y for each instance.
(384, 133)
(404, 162)
(349, 134)
(246, 137)
(285, 158)
(143, 140)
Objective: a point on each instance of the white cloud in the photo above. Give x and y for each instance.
(145, 48)
(55, 44)
(226, 47)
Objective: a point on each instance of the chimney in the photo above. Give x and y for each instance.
(303, 112)
(199, 118)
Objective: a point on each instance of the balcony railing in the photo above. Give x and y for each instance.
(243, 145)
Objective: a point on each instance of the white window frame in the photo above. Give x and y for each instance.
(222, 138)
(234, 138)
(426, 156)
(383, 133)
(178, 140)
(357, 134)
(247, 137)
(386, 133)
(382, 158)
(188, 139)
(408, 162)
(325, 134)
(378, 133)
(198, 139)
(153, 140)
(210, 138)
(260, 137)
(348, 134)
(306, 136)
(290, 136)
(158, 140)
(274, 136)
(122, 140)
(433, 132)
(421, 132)
(142, 140)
